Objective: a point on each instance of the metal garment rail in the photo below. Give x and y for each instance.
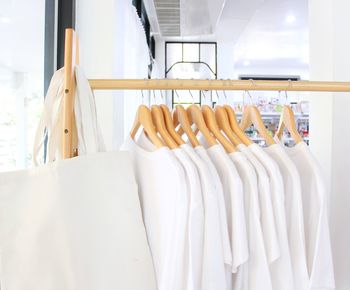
(72, 57)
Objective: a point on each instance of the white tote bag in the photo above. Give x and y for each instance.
(74, 225)
(90, 139)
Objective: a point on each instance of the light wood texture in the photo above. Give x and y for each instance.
(235, 126)
(158, 120)
(287, 120)
(144, 118)
(210, 121)
(180, 117)
(68, 98)
(195, 116)
(170, 126)
(224, 125)
(251, 116)
(240, 85)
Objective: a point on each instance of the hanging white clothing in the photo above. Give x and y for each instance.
(164, 202)
(74, 224)
(213, 267)
(195, 219)
(317, 237)
(281, 269)
(233, 194)
(255, 272)
(221, 203)
(268, 225)
(294, 214)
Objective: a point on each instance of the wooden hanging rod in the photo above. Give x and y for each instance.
(234, 85)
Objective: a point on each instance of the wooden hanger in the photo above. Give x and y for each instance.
(180, 116)
(224, 125)
(210, 120)
(196, 116)
(144, 118)
(170, 126)
(251, 115)
(235, 126)
(287, 120)
(158, 120)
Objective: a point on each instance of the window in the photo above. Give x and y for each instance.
(21, 79)
(191, 60)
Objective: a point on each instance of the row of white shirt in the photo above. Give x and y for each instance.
(253, 219)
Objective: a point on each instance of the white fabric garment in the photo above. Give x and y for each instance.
(221, 203)
(294, 214)
(281, 270)
(195, 223)
(74, 224)
(89, 134)
(266, 210)
(213, 267)
(317, 237)
(255, 272)
(164, 202)
(233, 194)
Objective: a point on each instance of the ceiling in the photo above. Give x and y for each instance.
(262, 33)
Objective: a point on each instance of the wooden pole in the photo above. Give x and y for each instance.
(69, 91)
(235, 85)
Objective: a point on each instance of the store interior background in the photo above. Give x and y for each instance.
(307, 38)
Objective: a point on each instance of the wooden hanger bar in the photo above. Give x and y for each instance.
(234, 85)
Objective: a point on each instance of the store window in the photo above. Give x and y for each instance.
(21, 79)
(190, 60)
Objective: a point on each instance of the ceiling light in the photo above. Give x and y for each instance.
(246, 63)
(4, 19)
(290, 18)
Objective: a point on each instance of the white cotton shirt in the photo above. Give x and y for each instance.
(255, 272)
(266, 210)
(164, 201)
(200, 150)
(213, 265)
(281, 270)
(317, 237)
(294, 214)
(195, 223)
(233, 197)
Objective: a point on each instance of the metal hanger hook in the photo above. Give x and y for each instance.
(162, 97)
(191, 97)
(143, 98)
(154, 97)
(177, 95)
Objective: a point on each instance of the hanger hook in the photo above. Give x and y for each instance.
(191, 96)
(162, 97)
(154, 97)
(178, 97)
(143, 97)
(217, 95)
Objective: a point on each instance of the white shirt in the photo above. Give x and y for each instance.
(317, 237)
(294, 214)
(221, 203)
(266, 210)
(213, 267)
(255, 271)
(281, 270)
(164, 201)
(233, 194)
(195, 223)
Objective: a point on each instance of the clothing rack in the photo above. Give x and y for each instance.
(72, 57)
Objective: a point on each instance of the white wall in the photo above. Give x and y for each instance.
(330, 117)
(112, 45)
